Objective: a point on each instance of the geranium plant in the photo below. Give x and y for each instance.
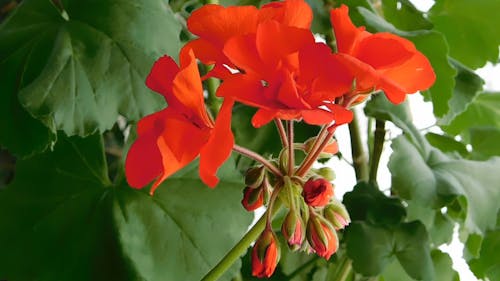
(119, 114)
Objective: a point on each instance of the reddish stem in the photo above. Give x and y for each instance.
(257, 157)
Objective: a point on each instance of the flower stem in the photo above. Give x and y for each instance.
(315, 154)
(378, 147)
(237, 251)
(257, 157)
(281, 131)
(291, 149)
(240, 248)
(359, 158)
(319, 139)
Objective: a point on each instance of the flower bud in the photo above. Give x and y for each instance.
(322, 237)
(317, 192)
(325, 172)
(337, 215)
(331, 148)
(265, 254)
(293, 230)
(255, 176)
(253, 198)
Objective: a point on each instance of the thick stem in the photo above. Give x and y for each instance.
(359, 157)
(257, 157)
(281, 131)
(237, 251)
(345, 270)
(378, 147)
(291, 149)
(241, 247)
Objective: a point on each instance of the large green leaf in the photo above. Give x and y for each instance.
(430, 177)
(67, 221)
(372, 248)
(484, 111)
(442, 268)
(433, 45)
(77, 70)
(470, 27)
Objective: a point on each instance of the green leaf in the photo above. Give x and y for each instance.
(467, 86)
(79, 69)
(442, 267)
(372, 248)
(367, 203)
(446, 144)
(433, 45)
(428, 176)
(404, 16)
(62, 204)
(470, 28)
(484, 111)
(488, 263)
(20, 133)
(485, 142)
(439, 225)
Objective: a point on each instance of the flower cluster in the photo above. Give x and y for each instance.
(268, 58)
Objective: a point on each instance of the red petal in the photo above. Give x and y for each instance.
(242, 52)
(288, 94)
(248, 90)
(161, 77)
(219, 146)
(217, 24)
(384, 50)
(188, 90)
(276, 42)
(144, 162)
(342, 115)
(262, 117)
(317, 116)
(295, 13)
(345, 32)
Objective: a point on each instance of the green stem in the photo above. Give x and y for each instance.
(237, 251)
(212, 2)
(359, 158)
(345, 270)
(303, 267)
(378, 147)
(241, 247)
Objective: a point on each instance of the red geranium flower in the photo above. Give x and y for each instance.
(170, 139)
(286, 75)
(317, 192)
(215, 25)
(389, 62)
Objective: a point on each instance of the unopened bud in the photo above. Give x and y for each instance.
(293, 230)
(337, 215)
(331, 148)
(253, 198)
(265, 254)
(325, 172)
(317, 192)
(255, 176)
(322, 237)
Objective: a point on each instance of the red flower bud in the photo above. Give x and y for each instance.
(322, 237)
(317, 192)
(293, 230)
(265, 254)
(253, 198)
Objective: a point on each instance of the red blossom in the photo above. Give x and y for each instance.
(322, 237)
(170, 139)
(317, 192)
(386, 61)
